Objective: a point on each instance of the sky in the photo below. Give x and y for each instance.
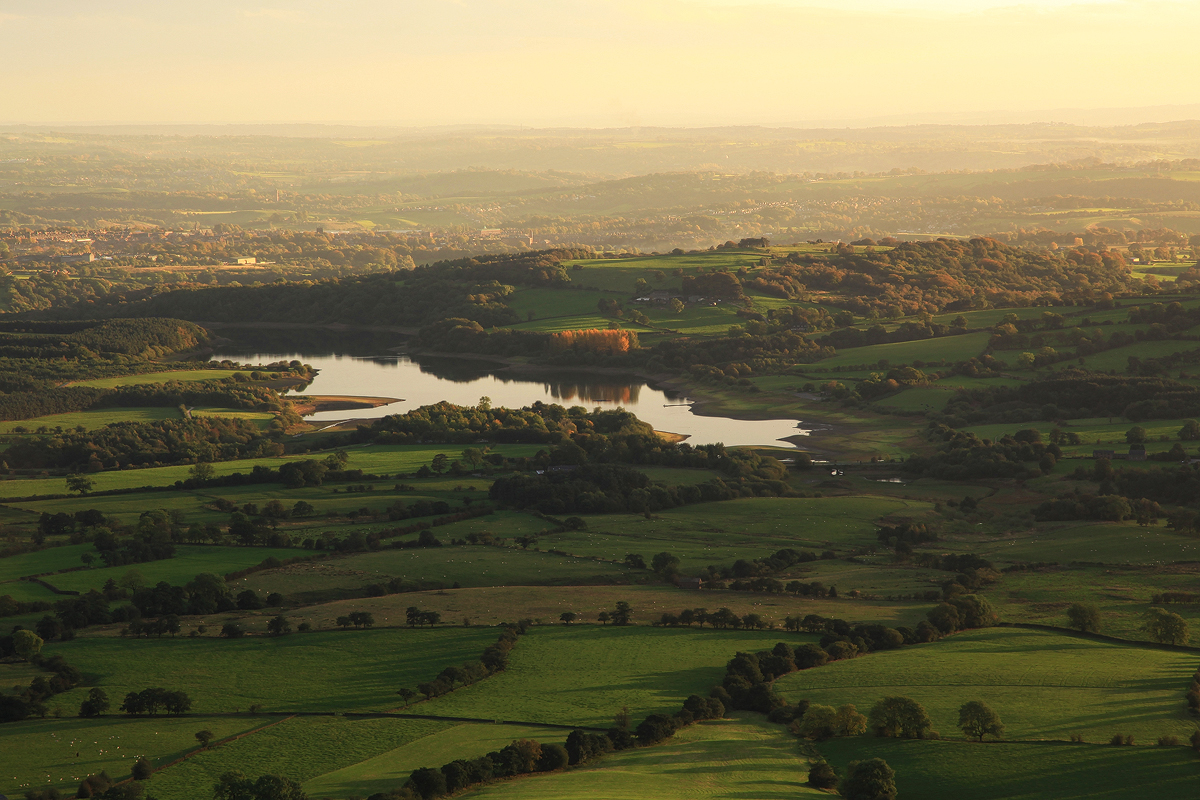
(594, 63)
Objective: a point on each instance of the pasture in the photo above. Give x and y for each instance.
(181, 375)
(59, 753)
(90, 420)
(372, 459)
(583, 675)
(951, 770)
(189, 561)
(950, 348)
(743, 756)
(1122, 595)
(721, 533)
(544, 604)
(350, 670)
(1088, 542)
(463, 565)
(450, 741)
(300, 747)
(1044, 686)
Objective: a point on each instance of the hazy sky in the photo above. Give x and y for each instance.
(587, 62)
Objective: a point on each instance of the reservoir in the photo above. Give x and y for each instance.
(344, 369)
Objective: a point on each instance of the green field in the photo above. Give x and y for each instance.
(1122, 595)
(1118, 358)
(1066, 542)
(1095, 431)
(951, 770)
(91, 419)
(391, 769)
(464, 565)
(184, 375)
(951, 348)
(189, 561)
(544, 605)
(583, 675)
(721, 533)
(352, 670)
(301, 748)
(375, 459)
(1044, 686)
(740, 757)
(59, 753)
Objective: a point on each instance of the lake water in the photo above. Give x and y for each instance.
(462, 382)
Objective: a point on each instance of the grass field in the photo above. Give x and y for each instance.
(1065, 542)
(183, 375)
(952, 770)
(465, 565)
(583, 675)
(91, 419)
(189, 561)
(39, 754)
(376, 459)
(353, 670)
(301, 748)
(391, 769)
(951, 348)
(1118, 359)
(50, 559)
(741, 757)
(720, 533)
(919, 398)
(1043, 685)
(489, 606)
(1093, 431)
(1122, 595)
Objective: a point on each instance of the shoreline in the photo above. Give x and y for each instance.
(703, 403)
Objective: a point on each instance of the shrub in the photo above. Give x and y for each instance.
(872, 779)
(822, 776)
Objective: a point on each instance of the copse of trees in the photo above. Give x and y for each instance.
(31, 701)
(151, 701)
(1073, 394)
(962, 612)
(965, 456)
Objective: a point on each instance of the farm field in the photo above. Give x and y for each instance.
(59, 753)
(302, 748)
(183, 375)
(1044, 686)
(1093, 431)
(391, 769)
(949, 770)
(90, 419)
(375, 459)
(464, 565)
(189, 561)
(951, 348)
(544, 604)
(1122, 595)
(351, 670)
(1094, 542)
(743, 756)
(583, 675)
(720, 533)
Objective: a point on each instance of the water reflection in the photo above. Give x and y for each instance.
(423, 381)
(625, 394)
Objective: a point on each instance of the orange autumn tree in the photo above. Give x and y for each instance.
(594, 340)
